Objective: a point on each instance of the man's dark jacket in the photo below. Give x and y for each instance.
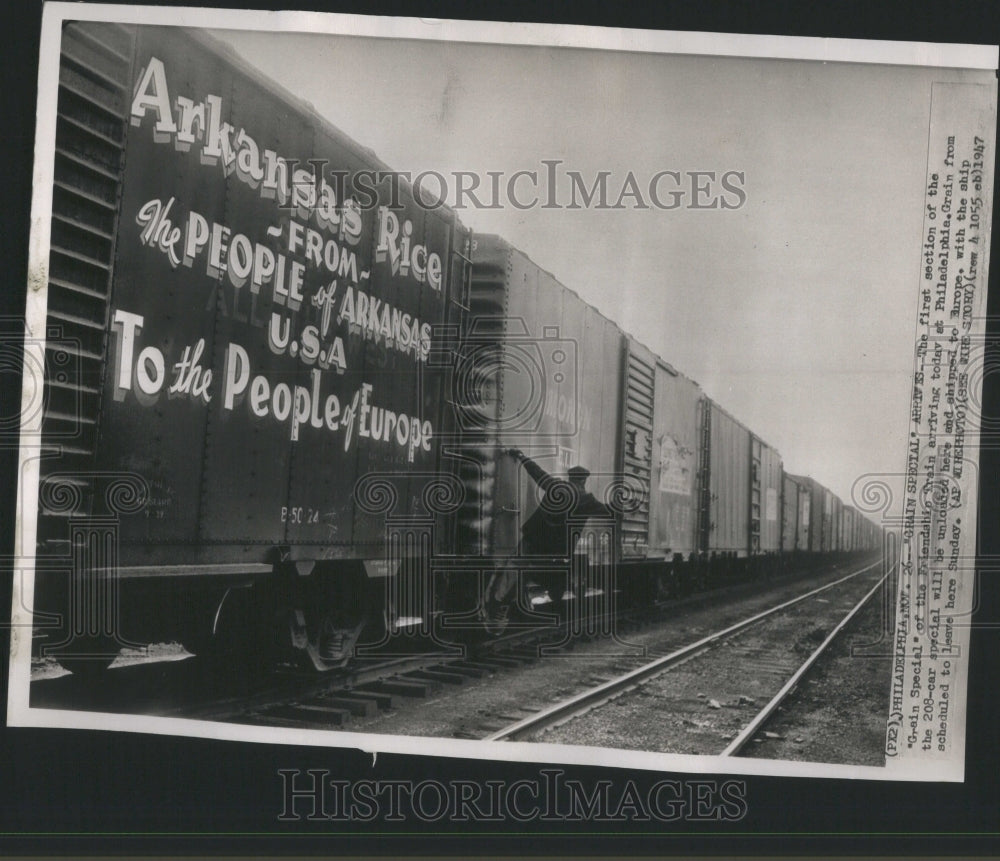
(544, 533)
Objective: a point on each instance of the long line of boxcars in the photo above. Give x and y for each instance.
(702, 491)
(279, 391)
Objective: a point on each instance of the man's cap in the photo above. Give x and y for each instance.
(579, 472)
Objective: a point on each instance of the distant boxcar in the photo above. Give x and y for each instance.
(553, 368)
(676, 453)
(765, 497)
(729, 477)
(813, 508)
(571, 388)
(795, 515)
(847, 519)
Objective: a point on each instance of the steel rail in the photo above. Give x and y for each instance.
(738, 743)
(587, 700)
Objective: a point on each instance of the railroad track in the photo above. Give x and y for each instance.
(359, 696)
(375, 687)
(563, 714)
(762, 717)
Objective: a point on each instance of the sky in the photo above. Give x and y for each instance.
(795, 311)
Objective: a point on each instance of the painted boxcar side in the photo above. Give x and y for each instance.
(837, 516)
(791, 512)
(847, 538)
(673, 520)
(729, 483)
(811, 522)
(765, 498)
(557, 372)
(265, 343)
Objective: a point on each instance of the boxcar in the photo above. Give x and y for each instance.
(849, 542)
(795, 515)
(675, 459)
(553, 368)
(813, 510)
(240, 327)
(765, 497)
(570, 388)
(836, 523)
(728, 479)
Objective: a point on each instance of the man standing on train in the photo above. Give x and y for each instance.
(545, 533)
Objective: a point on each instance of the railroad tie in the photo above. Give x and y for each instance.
(297, 715)
(404, 688)
(436, 676)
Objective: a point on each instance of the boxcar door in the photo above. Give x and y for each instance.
(637, 445)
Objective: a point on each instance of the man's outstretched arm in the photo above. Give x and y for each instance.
(541, 477)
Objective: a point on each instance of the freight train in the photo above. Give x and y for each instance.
(280, 393)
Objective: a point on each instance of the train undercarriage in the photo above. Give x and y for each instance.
(321, 617)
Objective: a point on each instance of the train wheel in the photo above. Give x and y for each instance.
(327, 640)
(327, 618)
(337, 638)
